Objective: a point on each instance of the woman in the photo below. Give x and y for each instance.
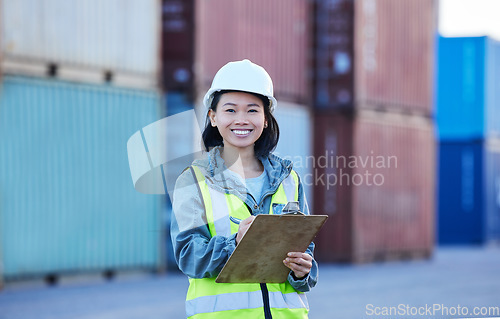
(216, 199)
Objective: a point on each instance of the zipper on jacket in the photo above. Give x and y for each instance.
(265, 299)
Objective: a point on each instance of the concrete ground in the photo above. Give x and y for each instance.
(450, 285)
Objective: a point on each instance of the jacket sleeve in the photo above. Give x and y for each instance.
(305, 284)
(197, 254)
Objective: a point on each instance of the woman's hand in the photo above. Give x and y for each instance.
(299, 263)
(242, 229)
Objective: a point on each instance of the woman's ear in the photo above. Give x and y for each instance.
(211, 115)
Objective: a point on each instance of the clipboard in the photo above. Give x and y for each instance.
(258, 258)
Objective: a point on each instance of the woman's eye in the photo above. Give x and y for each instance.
(230, 110)
(253, 110)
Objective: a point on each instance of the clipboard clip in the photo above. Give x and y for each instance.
(235, 220)
(292, 208)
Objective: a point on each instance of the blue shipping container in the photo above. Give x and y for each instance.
(468, 85)
(492, 189)
(67, 201)
(176, 102)
(469, 192)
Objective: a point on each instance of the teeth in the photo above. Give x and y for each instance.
(240, 132)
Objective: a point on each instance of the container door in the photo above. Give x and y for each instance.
(460, 219)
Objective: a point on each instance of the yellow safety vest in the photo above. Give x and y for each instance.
(208, 299)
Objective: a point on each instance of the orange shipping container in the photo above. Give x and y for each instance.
(375, 53)
(273, 34)
(374, 176)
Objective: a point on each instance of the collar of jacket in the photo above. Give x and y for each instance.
(217, 175)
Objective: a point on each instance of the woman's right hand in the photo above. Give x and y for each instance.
(242, 229)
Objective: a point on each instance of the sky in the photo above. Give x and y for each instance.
(469, 18)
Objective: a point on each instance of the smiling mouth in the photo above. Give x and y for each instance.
(241, 132)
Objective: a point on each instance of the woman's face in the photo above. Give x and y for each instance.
(240, 119)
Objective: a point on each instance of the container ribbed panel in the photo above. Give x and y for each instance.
(67, 198)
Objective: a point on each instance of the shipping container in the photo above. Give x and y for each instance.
(375, 53)
(295, 124)
(273, 34)
(68, 201)
(333, 54)
(493, 89)
(178, 45)
(180, 142)
(468, 86)
(1, 72)
(99, 41)
(492, 189)
(374, 176)
(469, 191)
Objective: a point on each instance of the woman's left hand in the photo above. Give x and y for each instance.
(299, 263)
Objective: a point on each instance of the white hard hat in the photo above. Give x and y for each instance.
(243, 76)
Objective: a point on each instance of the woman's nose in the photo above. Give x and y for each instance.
(241, 118)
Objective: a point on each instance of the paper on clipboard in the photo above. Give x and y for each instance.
(258, 258)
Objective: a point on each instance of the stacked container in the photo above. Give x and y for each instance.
(468, 118)
(78, 80)
(85, 41)
(177, 45)
(374, 54)
(273, 34)
(373, 139)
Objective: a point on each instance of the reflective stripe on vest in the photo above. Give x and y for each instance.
(207, 298)
(244, 300)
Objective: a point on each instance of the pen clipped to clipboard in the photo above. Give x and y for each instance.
(258, 258)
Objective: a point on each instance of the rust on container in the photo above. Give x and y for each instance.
(377, 186)
(377, 54)
(273, 34)
(177, 44)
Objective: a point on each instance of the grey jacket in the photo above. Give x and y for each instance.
(198, 254)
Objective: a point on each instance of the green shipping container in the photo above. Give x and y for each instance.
(67, 202)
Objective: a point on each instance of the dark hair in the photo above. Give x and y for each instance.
(263, 146)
